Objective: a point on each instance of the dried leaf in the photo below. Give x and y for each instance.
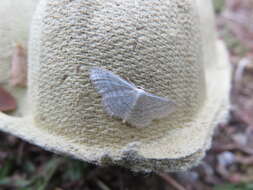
(7, 101)
(19, 67)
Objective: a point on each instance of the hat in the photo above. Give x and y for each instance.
(161, 46)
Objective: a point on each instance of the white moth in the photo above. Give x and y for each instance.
(124, 100)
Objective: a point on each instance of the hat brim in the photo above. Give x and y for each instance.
(180, 149)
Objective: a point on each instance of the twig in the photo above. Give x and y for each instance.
(20, 152)
(102, 185)
(232, 146)
(171, 181)
(240, 70)
(244, 160)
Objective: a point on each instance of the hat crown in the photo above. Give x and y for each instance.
(154, 44)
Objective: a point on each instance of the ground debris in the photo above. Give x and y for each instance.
(7, 101)
(19, 67)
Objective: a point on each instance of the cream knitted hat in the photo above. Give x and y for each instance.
(168, 47)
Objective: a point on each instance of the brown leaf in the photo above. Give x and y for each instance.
(7, 101)
(19, 67)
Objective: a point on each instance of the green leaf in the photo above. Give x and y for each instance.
(6, 169)
(76, 170)
(219, 5)
(234, 187)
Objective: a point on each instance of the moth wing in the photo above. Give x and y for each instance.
(106, 82)
(158, 107)
(118, 96)
(149, 107)
(119, 103)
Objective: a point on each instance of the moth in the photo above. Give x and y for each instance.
(122, 99)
